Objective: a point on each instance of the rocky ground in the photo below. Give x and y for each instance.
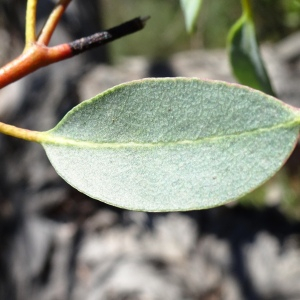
(58, 244)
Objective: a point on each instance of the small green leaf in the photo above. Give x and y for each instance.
(245, 57)
(191, 9)
(172, 144)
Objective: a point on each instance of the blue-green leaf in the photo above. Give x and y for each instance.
(172, 144)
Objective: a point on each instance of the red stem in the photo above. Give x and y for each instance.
(37, 56)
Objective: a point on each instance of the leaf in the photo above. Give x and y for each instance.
(191, 9)
(172, 144)
(245, 57)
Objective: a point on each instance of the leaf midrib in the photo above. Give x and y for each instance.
(48, 138)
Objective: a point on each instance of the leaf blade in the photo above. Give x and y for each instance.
(191, 10)
(155, 146)
(244, 55)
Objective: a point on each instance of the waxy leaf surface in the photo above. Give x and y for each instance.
(245, 57)
(172, 144)
(191, 9)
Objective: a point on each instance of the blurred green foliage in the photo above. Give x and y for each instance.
(292, 13)
(282, 191)
(165, 32)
